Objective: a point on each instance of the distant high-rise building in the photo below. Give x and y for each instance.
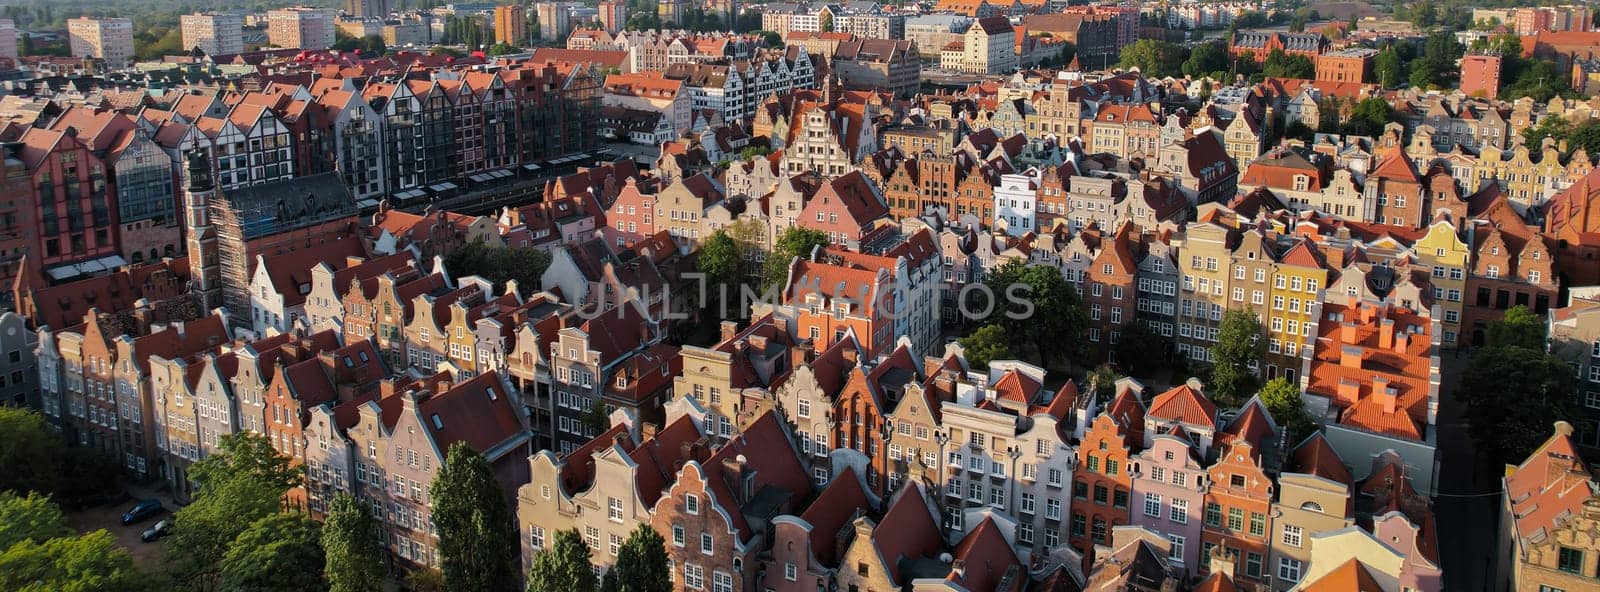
(213, 33)
(378, 8)
(1480, 75)
(301, 27)
(8, 39)
(510, 24)
(613, 15)
(554, 20)
(110, 39)
(671, 11)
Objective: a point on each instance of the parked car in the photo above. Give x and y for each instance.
(142, 511)
(161, 529)
(101, 498)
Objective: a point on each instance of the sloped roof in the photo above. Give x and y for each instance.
(1185, 405)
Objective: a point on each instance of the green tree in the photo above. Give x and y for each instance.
(1389, 68)
(1512, 395)
(246, 455)
(772, 38)
(825, 22)
(524, 265)
(502, 48)
(641, 564)
(1102, 381)
(795, 241)
(278, 553)
(1154, 59)
(243, 482)
(88, 563)
(1368, 117)
(31, 454)
(564, 566)
(1585, 136)
(1283, 401)
(1206, 59)
(350, 541)
(1035, 306)
(1239, 344)
(1284, 65)
(425, 580)
(985, 345)
(32, 518)
(1140, 351)
(1519, 327)
(722, 260)
(477, 542)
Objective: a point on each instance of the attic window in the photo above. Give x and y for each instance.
(490, 391)
(348, 363)
(438, 424)
(363, 356)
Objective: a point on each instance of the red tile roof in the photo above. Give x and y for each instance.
(907, 531)
(985, 556)
(1351, 576)
(834, 508)
(1550, 486)
(1315, 456)
(1185, 405)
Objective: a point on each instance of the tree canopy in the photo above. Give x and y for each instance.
(1513, 394)
(796, 241)
(1389, 67)
(642, 564)
(1519, 327)
(985, 345)
(1285, 65)
(1239, 345)
(1140, 351)
(477, 541)
(525, 265)
(563, 566)
(1036, 307)
(38, 553)
(1154, 59)
(243, 482)
(1208, 59)
(1283, 401)
(350, 543)
(278, 553)
(31, 454)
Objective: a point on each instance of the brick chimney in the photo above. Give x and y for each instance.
(1387, 395)
(729, 330)
(1386, 334)
(1350, 356)
(1349, 334)
(1402, 340)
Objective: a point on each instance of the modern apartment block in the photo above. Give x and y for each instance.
(215, 33)
(301, 27)
(109, 39)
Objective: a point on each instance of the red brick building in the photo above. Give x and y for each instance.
(711, 543)
(1238, 500)
(1346, 65)
(1572, 219)
(1480, 75)
(1512, 264)
(1101, 488)
(74, 217)
(1262, 43)
(1108, 289)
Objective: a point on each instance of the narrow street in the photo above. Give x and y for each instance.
(1468, 507)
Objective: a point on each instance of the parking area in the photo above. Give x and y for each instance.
(110, 518)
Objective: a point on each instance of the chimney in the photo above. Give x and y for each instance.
(1402, 340)
(801, 354)
(1350, 356)
(729, 330)
(851, 354)
(647, 430)
(1349, 334)
(1387, 396)
(1220, 562)
(1386, 334)
(353, 260)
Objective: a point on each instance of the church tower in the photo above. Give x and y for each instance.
(205, 273)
